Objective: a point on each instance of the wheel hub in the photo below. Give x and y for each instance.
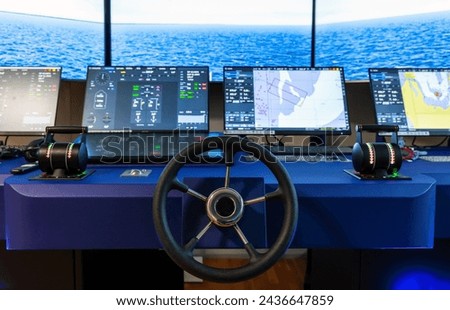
(225, 207)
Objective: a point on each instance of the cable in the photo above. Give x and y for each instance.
(436, 145)
(277, 143)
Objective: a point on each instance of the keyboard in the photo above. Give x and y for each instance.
(13, 151)
(436, 158)
(309, 150)
(153, 148)
(302, 158)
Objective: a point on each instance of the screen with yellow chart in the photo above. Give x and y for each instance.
(415, 99)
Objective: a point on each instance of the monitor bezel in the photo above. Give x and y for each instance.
(150, 131)
(422, 132)
(318, 132)
(20, 133)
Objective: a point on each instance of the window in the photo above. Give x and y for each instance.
(217, 33)
(67, 33)
(211, 33)
(386, 33)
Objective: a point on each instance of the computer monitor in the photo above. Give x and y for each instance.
(146, 99)
(28, 99)
(137, 114)
(415, 99)
(285, 100)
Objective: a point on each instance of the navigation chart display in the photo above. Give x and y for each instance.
(417, 100)
(286, 100)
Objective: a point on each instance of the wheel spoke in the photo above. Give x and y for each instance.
(276, 194)
(196, 194)
(252, 253)
(241, 234)
(272, 195)
(193, 242)
(190, 246)
(227, 176)
(178, 185)
(254, 201)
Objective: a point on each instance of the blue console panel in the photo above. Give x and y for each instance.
(5, 167)
(109, 211)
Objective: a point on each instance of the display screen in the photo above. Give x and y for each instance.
(415, 99)
(285, 100)
(146, 99)
(352, 35)
(68, 33)
(211, 33)
(28, 99)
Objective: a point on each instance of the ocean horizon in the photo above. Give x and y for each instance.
(413, 41)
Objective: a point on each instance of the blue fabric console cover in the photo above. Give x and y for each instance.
(110, 211)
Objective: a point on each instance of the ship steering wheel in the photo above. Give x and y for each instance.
(224, 208)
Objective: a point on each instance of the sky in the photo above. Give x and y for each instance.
(259, 12)
(89, 10)
(332, 11)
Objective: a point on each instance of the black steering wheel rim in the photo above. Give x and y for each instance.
(258, 262)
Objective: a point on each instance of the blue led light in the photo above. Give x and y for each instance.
(421, 280)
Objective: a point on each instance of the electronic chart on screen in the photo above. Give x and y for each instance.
(144, 98)
(415, 99)
(28, 99)
(285, 100)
